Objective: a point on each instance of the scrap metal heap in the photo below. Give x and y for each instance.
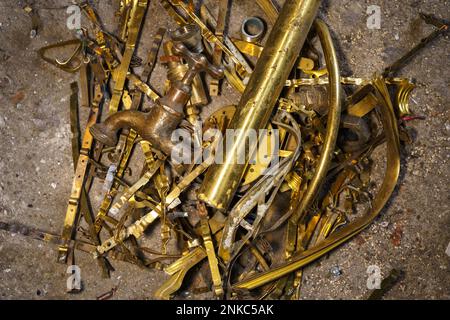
(246, 229)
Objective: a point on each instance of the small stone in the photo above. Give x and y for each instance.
(448, 250)
(336, 271)
(53, 185)
(384, 224)
(185, 294)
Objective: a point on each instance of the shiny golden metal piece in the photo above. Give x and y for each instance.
(402, 97)
(252, 49)
(257, 102)
(120, 74)
(178, 271)
(363, 107)
(210, 251)
(220, 119)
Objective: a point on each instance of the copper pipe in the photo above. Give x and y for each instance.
(258, 100)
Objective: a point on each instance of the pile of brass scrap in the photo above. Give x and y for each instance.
(247, 229)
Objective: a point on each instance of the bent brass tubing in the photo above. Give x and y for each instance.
(334, 116)
(389, 121)
(258, 100)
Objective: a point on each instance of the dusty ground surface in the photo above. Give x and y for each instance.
(36, 168)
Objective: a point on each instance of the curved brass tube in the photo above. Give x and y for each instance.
(334, 116)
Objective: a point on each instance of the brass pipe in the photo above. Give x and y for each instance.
(258, 100)
(334, 116)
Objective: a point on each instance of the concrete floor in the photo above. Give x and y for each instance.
(412, 233)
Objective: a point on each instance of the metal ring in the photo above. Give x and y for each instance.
(252, 29)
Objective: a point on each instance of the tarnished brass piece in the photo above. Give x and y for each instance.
(73, 63)
(190, 36)
(257, 102)
(358, 128)
(157, 125)
(210, 36)
(176, 72)
(217, 55)
(312, 98)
